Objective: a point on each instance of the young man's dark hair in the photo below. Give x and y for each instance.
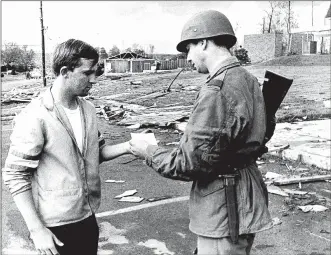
(69, 54)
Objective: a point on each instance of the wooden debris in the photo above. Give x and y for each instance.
(8, 118)
(277, 191)
(181, 126)
(136, 82)
(260, 162)
(134, 126)
(104, 114)
(286, 181)
(153, 199)
(314, 208)
(279, 149)
(272, 175)
(295, 192)
(276, 221)
(127, 193)
(327, 191)
(172, 143)
(116, 115)
(148, 96)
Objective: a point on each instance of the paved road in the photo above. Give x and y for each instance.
(130, 229)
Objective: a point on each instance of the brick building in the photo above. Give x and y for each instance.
(262, 47)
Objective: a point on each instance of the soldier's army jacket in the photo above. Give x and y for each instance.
(227, 123)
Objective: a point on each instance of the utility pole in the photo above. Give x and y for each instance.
(312, 13)
(42, 43)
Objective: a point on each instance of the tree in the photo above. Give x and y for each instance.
(151, 49)
(114, 51)
(28, 58)
(14, 55)
(271, 20)
(289, 21)
(102, 54)
(136, 48)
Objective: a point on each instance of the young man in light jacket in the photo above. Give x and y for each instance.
(52, 168)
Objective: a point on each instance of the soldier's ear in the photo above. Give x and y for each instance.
(64, 71)
(204, 43)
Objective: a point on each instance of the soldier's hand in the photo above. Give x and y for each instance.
(44, 241)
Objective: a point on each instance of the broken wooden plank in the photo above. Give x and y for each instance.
(149, 96)
(104, 114)
(7, 118)
(302, 179)
(277, 191)
(279, 149)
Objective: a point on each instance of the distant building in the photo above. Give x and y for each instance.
(314, 41)
(127, 62)
(263, 47)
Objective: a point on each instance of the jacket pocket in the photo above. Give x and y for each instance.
(205, 188)
(61, 205)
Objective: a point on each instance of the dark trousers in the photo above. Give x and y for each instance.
(78, 238)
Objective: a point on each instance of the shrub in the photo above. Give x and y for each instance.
(242, 55)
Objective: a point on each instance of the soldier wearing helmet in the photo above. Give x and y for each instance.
(220, 145)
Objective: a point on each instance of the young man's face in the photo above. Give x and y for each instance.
(82, 78)
(196, 56)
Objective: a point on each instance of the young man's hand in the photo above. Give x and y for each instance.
(44, 241)
(139, 148)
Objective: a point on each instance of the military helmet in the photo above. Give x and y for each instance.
(205, 25)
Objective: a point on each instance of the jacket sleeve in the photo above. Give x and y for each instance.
(204, 143)
(27, 141)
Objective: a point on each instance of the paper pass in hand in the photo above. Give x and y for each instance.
(148, 137)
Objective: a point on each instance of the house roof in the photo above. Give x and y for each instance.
(126, 55)
(328, 15)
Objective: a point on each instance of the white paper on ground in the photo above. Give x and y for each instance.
(127, 193)
(148, 137)
(131, 199)
(314, 208)
(114, 181)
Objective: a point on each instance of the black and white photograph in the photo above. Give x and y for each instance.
(165, 128)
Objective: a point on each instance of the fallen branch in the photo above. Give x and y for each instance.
(302, 179)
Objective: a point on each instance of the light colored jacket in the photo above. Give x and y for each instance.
(226, 127)
(44, 156)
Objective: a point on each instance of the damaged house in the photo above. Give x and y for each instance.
(127, 62)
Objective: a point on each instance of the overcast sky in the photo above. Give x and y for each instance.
(105, 23)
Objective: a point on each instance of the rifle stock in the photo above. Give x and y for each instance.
(275, 88)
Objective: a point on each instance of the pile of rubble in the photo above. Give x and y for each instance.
(19, 95)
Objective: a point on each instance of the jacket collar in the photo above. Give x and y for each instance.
(225, 64)
(48, 101)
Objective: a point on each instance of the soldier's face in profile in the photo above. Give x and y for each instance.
(195, 55)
